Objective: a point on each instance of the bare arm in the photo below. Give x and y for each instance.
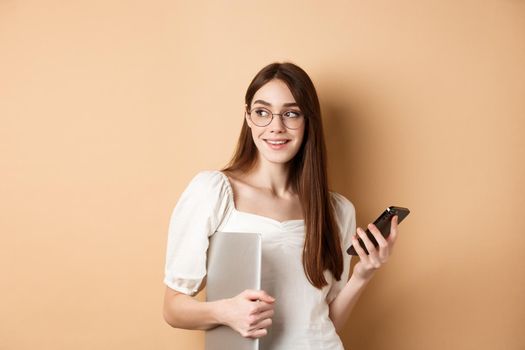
(343, 304)
(248, 313)
(182, 311)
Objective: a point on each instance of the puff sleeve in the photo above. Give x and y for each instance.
(345, 218)
(202, 207)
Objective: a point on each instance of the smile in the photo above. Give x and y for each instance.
(276, 144)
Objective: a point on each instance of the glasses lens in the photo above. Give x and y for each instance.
(293, 119)
(261, 116)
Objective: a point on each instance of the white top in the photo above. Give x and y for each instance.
(301, 318)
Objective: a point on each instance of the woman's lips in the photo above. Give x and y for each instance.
(277, 143)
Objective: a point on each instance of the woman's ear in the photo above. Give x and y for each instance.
(247, 117)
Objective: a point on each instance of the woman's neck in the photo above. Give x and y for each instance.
(272, 176)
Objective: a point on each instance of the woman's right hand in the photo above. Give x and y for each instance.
(249, 313)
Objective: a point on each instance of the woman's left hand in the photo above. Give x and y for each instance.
(368, 264)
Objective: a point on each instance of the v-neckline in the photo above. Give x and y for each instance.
(281, 223)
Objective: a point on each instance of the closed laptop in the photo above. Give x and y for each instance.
(233, 265)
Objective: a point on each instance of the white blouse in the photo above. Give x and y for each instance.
(301, 318)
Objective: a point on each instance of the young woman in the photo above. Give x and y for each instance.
(276, 185)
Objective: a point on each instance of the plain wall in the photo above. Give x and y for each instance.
(108, 108)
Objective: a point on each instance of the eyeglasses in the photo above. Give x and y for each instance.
(292, 119)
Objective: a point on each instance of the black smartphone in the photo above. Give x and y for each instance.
(383, 224)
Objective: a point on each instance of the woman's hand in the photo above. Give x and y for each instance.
(368, 264)
(249, 313)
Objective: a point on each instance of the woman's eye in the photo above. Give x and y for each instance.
(262, 113)
(292, 114)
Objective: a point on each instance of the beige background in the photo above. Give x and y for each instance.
(108, 108)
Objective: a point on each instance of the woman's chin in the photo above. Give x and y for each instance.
(277, 159)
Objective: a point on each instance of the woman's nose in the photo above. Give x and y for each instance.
(277, 123)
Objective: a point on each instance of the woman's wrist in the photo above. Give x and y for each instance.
(219, 310)
(359, 281)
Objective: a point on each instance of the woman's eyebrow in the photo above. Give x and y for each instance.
(289, 104)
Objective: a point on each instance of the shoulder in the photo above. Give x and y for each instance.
(209, 183)
(208, 179)
(343, 207)
(345, 216)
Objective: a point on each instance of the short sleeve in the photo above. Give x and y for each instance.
(345, 218)
(200, 210)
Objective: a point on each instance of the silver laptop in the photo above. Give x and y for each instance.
(233, 265)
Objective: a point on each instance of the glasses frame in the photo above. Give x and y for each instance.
(274, 114)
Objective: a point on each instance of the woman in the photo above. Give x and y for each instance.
(276, 185)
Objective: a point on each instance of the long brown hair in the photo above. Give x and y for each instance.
(322, 249)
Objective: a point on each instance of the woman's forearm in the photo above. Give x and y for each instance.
(183, 311)
(249, 313)
(343, 304)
